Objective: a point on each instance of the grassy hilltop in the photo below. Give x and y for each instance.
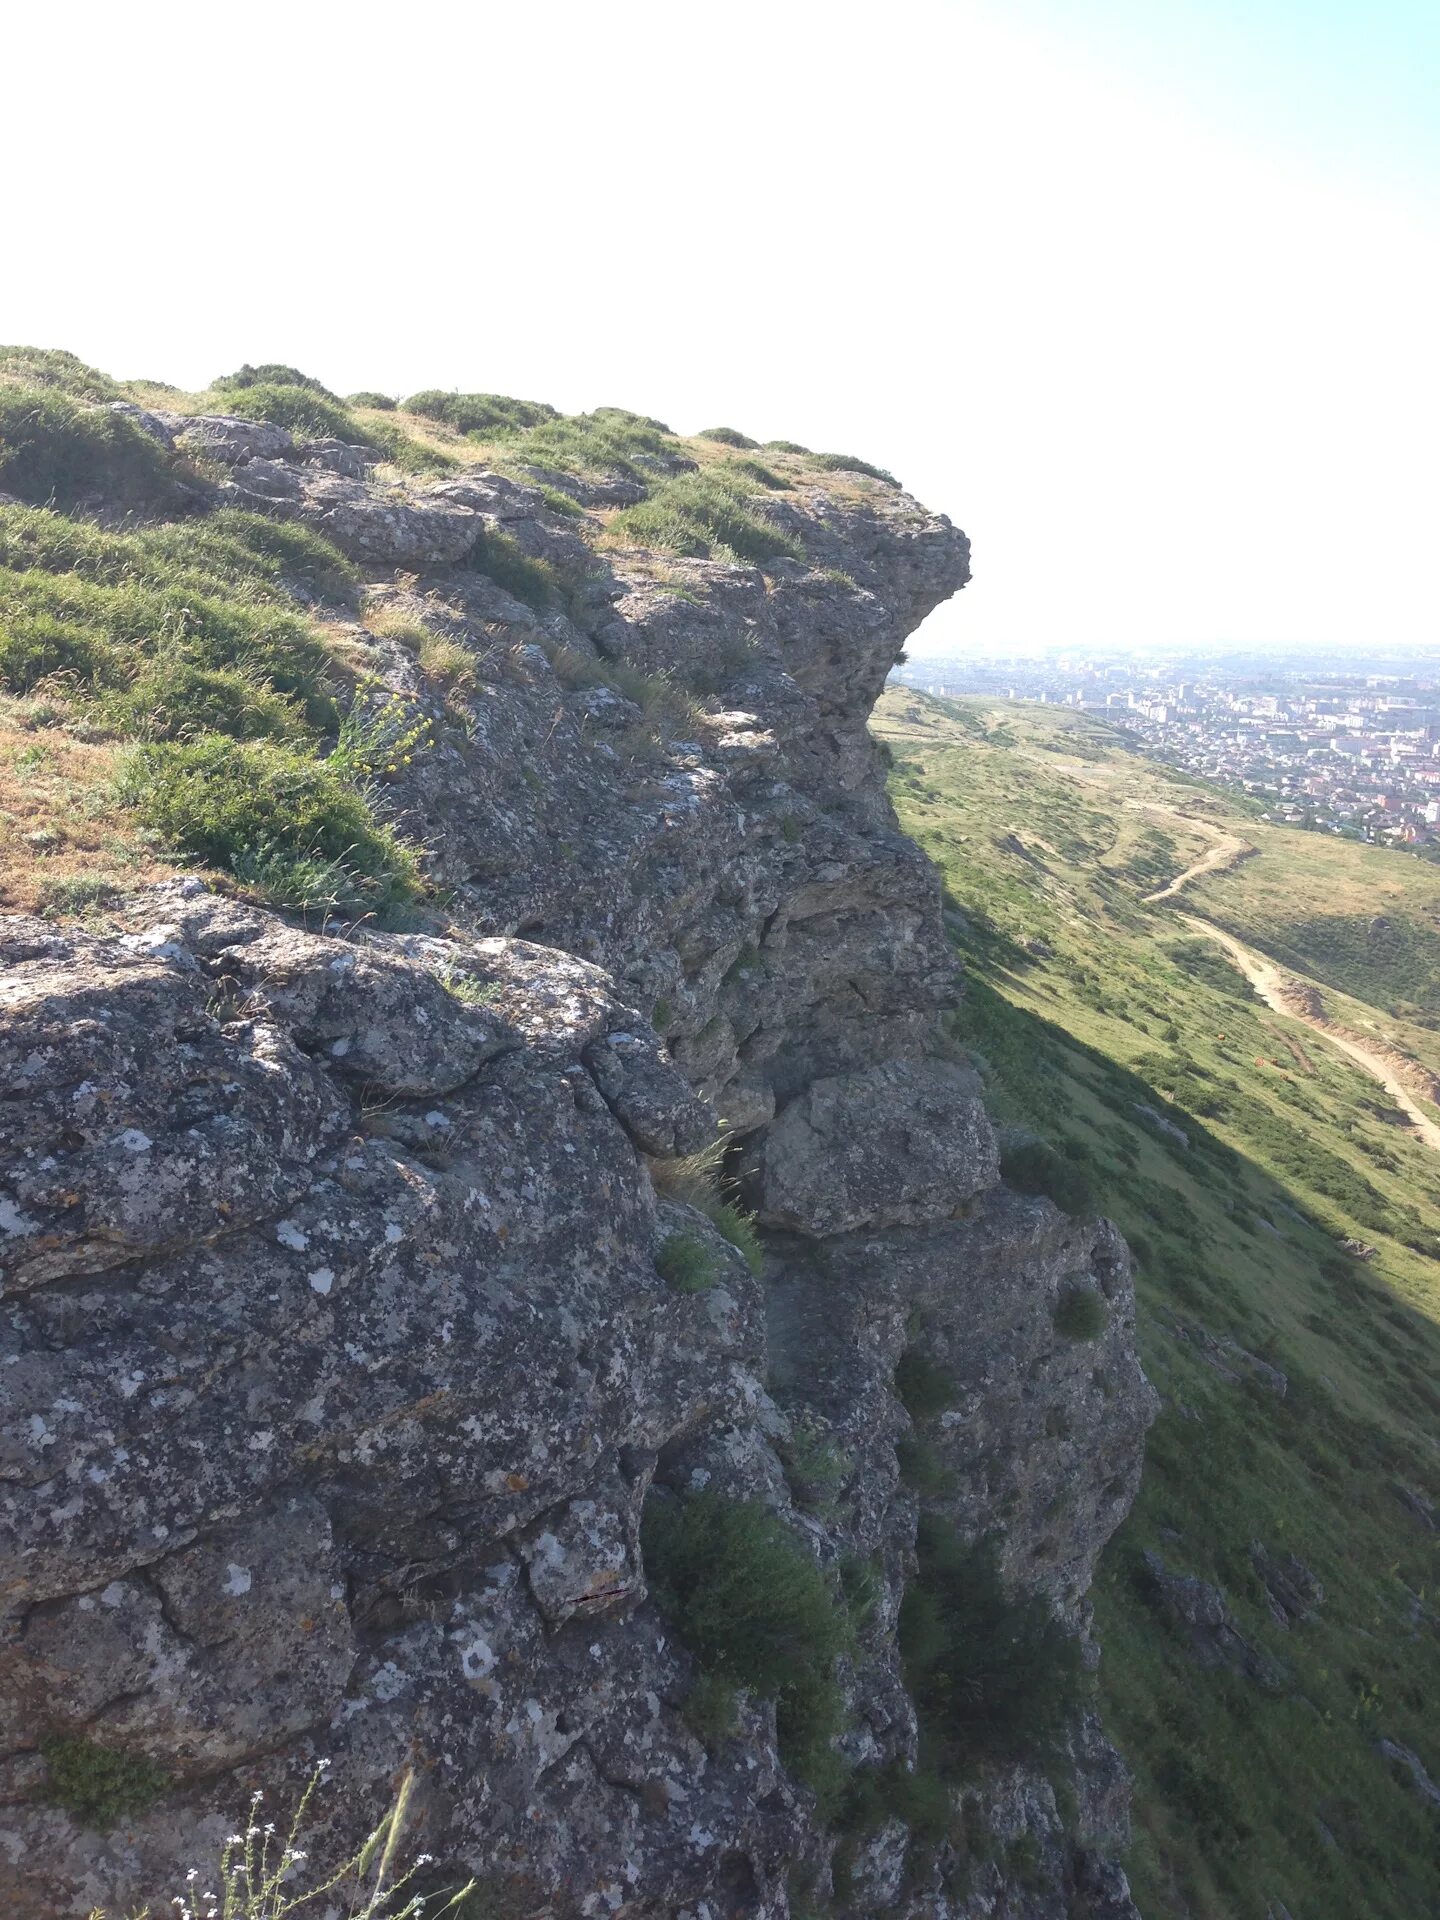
(184, 683)
(1259, 1778)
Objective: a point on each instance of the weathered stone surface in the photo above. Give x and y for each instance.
(892, 1145)
(336, 1359)
(231, 441)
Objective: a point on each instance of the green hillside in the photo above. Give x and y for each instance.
(1259, 1775)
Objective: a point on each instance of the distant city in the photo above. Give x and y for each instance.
(1335, 746)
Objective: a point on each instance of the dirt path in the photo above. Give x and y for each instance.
(1281, 991)
(1227, 850)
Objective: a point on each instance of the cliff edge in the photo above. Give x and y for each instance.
(408, 1334)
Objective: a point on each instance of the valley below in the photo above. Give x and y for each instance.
(1227, 1033)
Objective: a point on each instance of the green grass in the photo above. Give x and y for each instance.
(281, 822)
(847, 463)
(993, 1675)
(53, 450)
(187, 638)
(756, 1611)
(1080, 1002)
(707, 514)
(479, 413)
(685, 1263)
(54, 368)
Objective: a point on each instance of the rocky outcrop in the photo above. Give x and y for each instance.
(338, 1363)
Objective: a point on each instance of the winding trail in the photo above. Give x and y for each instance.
(1226, 850)
(1276, 988)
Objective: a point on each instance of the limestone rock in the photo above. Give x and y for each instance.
(892, 1145)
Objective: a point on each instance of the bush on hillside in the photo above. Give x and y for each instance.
(728, 437)
(994, 1676)
(502, 559)
(785, 446)
(308, 412)
(1080, 1313)
(105, 635)
(685, 1263)
(177, 700)
(55, 450)
(375, 402)
(847, 463)
(271, 373)
(754, 1608)
(286, 826)
(607, 441)
(486, 413)
(1030, 1166)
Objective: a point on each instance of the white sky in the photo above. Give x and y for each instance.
(1177, 380)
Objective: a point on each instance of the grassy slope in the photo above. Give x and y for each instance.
(1245, 1793)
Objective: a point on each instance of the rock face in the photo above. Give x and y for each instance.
(337, 1363)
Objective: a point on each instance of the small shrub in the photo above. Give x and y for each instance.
(178, 700)
(288, 827)
(449, 661)
(994, 1677)
(403, 450)
(77, 893)
(755, 1609)
(1030, 1166)
(922, 1468)
(1080, 1313)
(306, 411)
(270, 373)
(482, 413)
(99, 1786)
(762, 475)
(815, 1466)
(55, 450)
(502, 559)
(846, 463)
(710, 1708)
(372, 402)
(685, 1263)
(728, 437)
(739, 1228)
(784, 446)
(924, 1386)
(380, 735)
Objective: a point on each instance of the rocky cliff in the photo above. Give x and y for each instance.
(362, 1288)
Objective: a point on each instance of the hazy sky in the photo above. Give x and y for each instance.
(1144, 293)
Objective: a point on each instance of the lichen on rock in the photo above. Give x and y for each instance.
(338, 1362)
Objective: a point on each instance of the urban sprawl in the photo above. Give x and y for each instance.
(1340, 751)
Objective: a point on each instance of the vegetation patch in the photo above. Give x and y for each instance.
(685, 1263)
(709, 515)
(847, 463)
(54, 450)
(100, 1786)
(1032, 1166)
(1080, 1313)
(994, 1676)
(480, 413)
(755, 1610)
(282, 824)
(64, 372)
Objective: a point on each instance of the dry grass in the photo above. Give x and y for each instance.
(64, 844)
